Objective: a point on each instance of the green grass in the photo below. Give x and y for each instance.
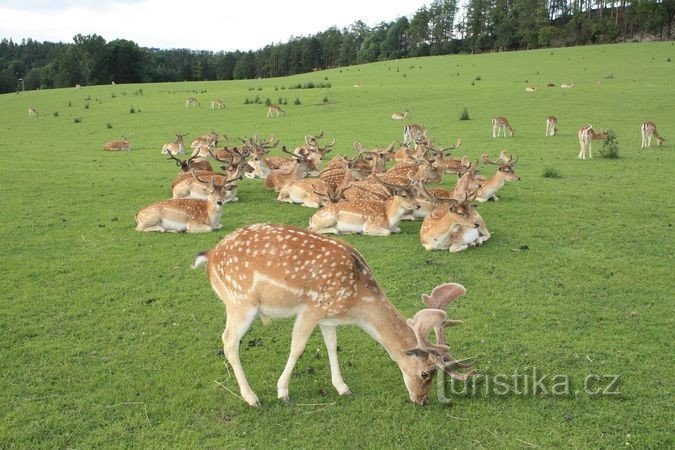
(109, 339)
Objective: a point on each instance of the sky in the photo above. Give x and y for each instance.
(213, 25)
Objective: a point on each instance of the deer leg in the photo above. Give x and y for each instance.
(198, 227)
(239, 320)
(304, 325)
(330, 339)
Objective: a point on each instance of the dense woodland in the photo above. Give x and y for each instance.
(440, 28)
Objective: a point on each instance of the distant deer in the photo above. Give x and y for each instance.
(399, 115)
(499, 124)
(273, 271)
(116, 146)
(32, 112)
(648, 131)
(586, 137)
(275, 110)
(551, 126)
(192, 102)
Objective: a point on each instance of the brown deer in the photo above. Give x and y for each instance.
(185, 214)
(118, 146)
(175, 147)
(488, 187)
(648, 131)
(586, 137)
(272, 271)
(499, 124)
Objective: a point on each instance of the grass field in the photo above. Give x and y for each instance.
(109, 339)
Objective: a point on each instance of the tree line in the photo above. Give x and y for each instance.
(440, 28)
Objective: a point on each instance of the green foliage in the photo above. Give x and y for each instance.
(111, 340)
(268, 102)
(551, 172)
(610, 146)
(465, 114)
(297, 101)
(132, 110)
(77, 119)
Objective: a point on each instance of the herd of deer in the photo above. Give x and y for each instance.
(271, 271)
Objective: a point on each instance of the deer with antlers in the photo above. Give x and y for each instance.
(586, 136)
(505, 172)
(648, 130)
(278, 178)
(454, 225)
(118, 146)
(273, 271)
(364, 215)
(186, 214)
(176, 147)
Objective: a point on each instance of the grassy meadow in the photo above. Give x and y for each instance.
(109, 339)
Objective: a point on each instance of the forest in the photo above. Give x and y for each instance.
(439, 28)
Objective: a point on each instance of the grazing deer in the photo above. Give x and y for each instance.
(32, 112)
(274, 271)
(499, 124)
(275, 110)
(175, 147)
(488, 187)
(567, 85)
(530, 88)
(117, 146)
(648, 132)
(586, 137)
(551, 126)
(217, 104)
(185, 214)
(192, 102)
(399, 115)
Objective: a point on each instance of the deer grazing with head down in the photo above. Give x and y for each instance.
(186, 214)
(501, 124)
(274, 271)
(586, 137)
(648, 130)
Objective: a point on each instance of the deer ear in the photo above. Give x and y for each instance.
(417, 352)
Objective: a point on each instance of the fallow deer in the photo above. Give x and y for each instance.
(551, 126)
(452, 226)
(278, 178)
(275, 110)
(400, 115)
(117, 146)
(586, 136)
(176, 147)
(185, 214)
(499, 124)
(378, 218)
(648, 130)
(488, 188)
(192, 102)
(217, 104)
(273, 271)
(32, 112)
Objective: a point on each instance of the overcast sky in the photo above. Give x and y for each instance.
(194, 24)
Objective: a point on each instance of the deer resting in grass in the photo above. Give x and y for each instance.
(274, 271)
(185, 214)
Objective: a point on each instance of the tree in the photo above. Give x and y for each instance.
(417, 35)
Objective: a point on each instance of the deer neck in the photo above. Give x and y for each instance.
(214, 212)
(386, 325)
(394, 210)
